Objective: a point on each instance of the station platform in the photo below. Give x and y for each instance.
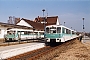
(13, 50)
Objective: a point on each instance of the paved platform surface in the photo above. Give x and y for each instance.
(13, 50)
(86, 39)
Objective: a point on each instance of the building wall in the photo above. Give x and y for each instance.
(2, 32)
(23, 23)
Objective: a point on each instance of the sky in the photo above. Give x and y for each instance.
(69, 11)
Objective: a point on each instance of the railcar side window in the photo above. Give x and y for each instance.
(0, 31)
(69, 31)
(73, 32)
(22, 32)
(29, 32)
(66, 31)
(58, 29)
(26, 32)
(47, 30)
(41, 33)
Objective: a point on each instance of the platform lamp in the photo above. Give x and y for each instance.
(64, 23)
(44, 21)
(71, 27)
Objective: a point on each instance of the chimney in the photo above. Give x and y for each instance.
(10, 20)
(38, 19)
(17, 20)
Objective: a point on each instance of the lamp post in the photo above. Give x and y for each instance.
(83, 24)
(64, 23)
(43, 12)
(83, 28)
(44, 21)
(71, 27)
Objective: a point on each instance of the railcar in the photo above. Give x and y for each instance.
(23, 34)
(58, 33)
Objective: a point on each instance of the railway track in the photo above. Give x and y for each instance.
(17, 42)
(33, 55)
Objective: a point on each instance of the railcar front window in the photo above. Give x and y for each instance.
(53, 30)
(47, 30)
(58, 29)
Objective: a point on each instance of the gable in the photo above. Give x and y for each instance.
(24, 23)
(58, 23)
(35, 25)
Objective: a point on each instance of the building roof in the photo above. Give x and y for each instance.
(49, 20)
(13, 26)
(35, 25)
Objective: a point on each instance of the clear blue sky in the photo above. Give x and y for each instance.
(69, 11)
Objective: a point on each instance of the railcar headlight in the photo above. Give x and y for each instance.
(48, 40)
(57, 39)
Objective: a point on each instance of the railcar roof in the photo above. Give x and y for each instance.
(19, 30)
(23, 30)
(60, 26)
